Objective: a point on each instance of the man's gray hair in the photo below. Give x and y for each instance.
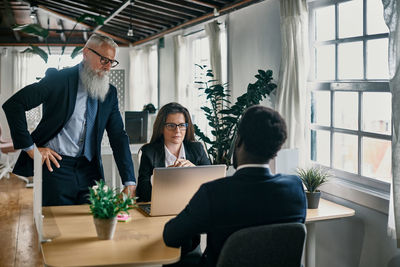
(99, 39)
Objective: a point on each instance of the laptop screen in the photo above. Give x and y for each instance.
(174, 187)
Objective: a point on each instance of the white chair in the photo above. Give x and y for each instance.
(9, 153)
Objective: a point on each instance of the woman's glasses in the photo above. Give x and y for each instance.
(172, 126)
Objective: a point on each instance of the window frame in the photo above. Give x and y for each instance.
(360, 86)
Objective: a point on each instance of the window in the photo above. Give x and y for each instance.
(196, 50)
(143, 77)
(350, 116)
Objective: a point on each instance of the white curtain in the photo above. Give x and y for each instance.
(142, 77)
(182, 68)
(23, 74)
(291, 93)
(391, 16)
(213, 33)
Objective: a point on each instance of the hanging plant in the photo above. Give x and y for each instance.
(39, 31)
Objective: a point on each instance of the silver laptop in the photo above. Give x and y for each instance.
(174, 187)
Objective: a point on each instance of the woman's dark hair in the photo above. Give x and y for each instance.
(159, 123)
(263, 132)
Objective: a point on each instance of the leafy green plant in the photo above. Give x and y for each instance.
(222, 118)
(313, 177)
(150, 108)
(107, 203)
(39, 31)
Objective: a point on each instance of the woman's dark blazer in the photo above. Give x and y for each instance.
(153, 156)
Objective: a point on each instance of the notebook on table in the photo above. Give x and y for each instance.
(174, 187)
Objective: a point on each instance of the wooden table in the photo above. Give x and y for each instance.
(138, 242)
(327, 210)
(74, 241)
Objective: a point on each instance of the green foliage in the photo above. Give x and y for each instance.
(76, 51)
(37, 30)
(38, 51)
(313, 177)
(107, 203)
(99, 20)
(34, 29)
(222, 118)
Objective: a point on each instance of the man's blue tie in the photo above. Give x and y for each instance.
(91, 110)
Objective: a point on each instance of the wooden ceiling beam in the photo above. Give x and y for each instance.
(113, 14)
(119, 39)
(62, 34)
(36, 20)
(73, 5)
(189, 5)
(144, 31)
(165, 16)
(10, 18)
(195, 21)
(170, 7)
(204, 3)
(162, 11)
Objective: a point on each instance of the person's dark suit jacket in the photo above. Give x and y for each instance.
(252, 196)
(57, 92)
(153, 156)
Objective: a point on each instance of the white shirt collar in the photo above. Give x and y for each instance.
(170, 158)
(252, 166)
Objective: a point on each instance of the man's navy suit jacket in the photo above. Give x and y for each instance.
(57, 92)
(252, 196)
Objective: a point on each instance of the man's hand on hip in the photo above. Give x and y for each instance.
(48, 155)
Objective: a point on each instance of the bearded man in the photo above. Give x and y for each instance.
(78, 105)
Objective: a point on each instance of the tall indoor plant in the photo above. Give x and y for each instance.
(222, 117)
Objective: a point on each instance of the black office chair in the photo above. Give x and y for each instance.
(265, 246)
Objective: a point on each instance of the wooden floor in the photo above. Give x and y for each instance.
(18, 238)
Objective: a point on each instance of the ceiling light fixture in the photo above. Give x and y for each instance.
(33, 12)
(130, 29)
(216, 12)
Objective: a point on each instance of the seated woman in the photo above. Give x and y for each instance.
(172, 145)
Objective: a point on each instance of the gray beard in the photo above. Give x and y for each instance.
(96, 85)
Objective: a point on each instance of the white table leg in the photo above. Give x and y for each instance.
(310, 245)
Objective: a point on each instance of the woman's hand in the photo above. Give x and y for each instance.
(182, 163)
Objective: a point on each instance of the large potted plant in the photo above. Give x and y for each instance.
(105, 205)
(222, 117)
(312, 179)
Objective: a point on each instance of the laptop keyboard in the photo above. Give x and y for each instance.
(145, 207)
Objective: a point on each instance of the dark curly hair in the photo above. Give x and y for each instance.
(159, 123)
(263, 132)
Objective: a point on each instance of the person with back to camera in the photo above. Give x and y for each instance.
(172, 144)
(249, 197)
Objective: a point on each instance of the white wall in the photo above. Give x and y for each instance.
(254, 42)
(360, 240)
(6, 87)
(166, 75)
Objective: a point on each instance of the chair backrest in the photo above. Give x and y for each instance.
(267, 245)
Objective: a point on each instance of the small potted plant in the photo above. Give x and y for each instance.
(312, 178)
(105, 205)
